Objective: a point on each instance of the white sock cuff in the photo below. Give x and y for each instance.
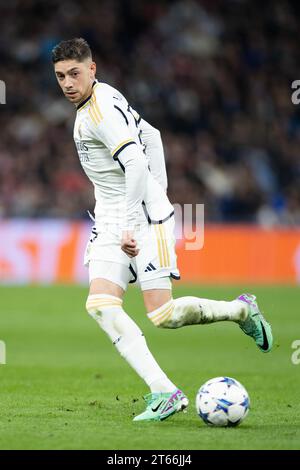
(162, 313)
(99, 301)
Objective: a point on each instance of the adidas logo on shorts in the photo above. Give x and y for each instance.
(150, 267)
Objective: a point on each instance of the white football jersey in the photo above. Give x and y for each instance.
(105, 125)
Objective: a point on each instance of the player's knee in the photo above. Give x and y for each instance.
(108, 312)
(162, 316)
(98, 303)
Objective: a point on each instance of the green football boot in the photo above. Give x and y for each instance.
(255, 324)
(162, 405)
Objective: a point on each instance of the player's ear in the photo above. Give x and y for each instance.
(93, 68)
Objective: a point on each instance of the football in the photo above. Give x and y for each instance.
(222, 401)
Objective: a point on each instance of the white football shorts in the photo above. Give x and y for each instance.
(152, 268)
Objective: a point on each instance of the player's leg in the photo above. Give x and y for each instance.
(104, 304)
(160, 406)
(164, 404)
(166, 312)
(158, 263)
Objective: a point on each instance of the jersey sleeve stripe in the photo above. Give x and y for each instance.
(121, 147)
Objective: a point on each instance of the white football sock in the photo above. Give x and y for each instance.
(137, 354)
(128, 339)
(194, 310)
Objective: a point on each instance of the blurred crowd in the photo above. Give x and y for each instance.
(214, 76)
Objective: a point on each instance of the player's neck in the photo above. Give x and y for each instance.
(87, 95)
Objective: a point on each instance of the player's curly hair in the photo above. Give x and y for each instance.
(76, 48)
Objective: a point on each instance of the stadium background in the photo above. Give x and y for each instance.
(215, 77)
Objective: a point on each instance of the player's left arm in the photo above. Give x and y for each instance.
(154, 150)
(135, 166)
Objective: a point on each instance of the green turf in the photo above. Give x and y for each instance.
(65, 387)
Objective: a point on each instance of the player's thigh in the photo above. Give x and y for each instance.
(157, 264)
(103, 286)
(155, 298)
(108, 266)
(108, 277)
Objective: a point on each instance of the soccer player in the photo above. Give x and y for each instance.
(133, 238)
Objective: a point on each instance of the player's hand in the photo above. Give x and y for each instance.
(128, 244)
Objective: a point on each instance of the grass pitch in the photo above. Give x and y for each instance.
(65, 387)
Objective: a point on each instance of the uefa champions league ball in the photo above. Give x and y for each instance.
(222, 401)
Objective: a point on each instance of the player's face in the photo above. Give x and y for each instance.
(75, 78)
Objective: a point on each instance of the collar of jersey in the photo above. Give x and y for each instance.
(87, 99)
